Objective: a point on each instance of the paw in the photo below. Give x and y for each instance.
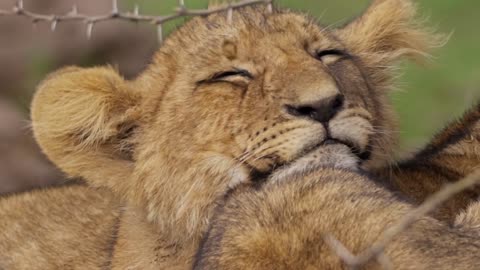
(337, 156)
(470, 218)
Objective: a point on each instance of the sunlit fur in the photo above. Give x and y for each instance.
(285, 225)
(172, 141)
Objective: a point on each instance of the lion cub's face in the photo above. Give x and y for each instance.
(264, 90)
(226, 101)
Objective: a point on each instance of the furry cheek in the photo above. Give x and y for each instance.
(353, 129)
(287, 142)
(299, 141)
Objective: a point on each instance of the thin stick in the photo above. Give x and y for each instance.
(376, 250)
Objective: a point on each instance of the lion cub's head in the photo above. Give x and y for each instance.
(224, 101)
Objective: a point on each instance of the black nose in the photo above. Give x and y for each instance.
(322, 110)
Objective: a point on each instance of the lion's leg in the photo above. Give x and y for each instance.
(285, 225)
(451, 155)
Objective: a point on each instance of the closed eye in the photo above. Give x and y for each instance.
(323, 53)
(229, 74)
(330, 56)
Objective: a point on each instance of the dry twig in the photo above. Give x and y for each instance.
(376, 250)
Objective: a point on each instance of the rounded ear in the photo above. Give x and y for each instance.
(84, 121)
(387, 31)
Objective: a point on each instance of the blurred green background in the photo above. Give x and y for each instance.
(428, 96)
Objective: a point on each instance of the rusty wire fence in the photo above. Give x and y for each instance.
(19, 9)
(355, 261)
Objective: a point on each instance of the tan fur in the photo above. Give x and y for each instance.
(71, 227)
(284, 225)
(172, 142)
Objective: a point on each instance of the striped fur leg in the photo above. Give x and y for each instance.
(451, 155)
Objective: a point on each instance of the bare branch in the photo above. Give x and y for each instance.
(426, 207)
(376, 250)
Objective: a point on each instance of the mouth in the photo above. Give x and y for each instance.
(259, 177)
(362, 155)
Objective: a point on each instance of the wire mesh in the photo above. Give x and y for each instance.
(115, 13)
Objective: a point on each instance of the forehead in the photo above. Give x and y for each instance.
(252, 31)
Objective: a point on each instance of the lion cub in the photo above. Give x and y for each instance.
(227, 100)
